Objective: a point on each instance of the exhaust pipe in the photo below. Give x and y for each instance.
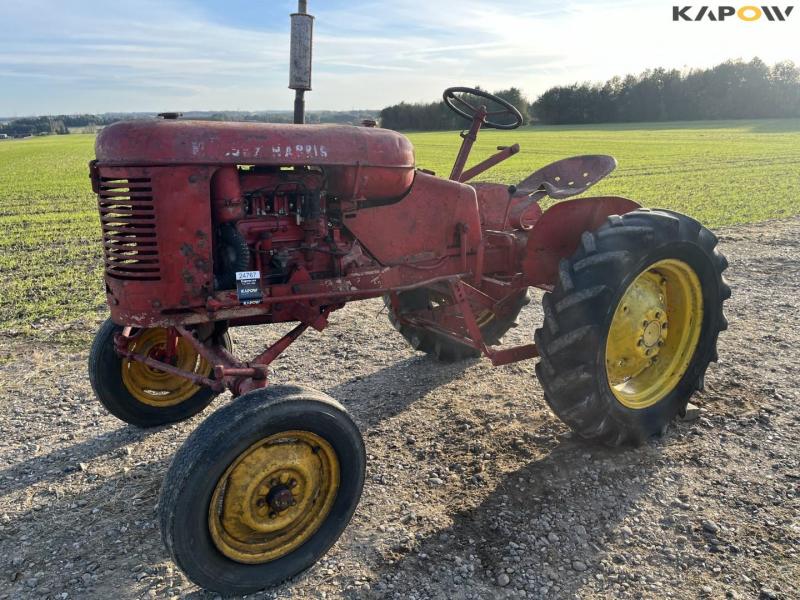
(300, 58)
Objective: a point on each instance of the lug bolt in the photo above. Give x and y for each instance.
(640, 342)
(292, 483)
(272, 515)
(658, 315)
(660, 342)
(261, 502)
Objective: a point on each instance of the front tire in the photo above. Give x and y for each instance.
(145, 397)
(632, 325)
(262, 489)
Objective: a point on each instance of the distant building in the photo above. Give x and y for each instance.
(3, 136)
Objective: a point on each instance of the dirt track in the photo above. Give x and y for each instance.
(474, 489)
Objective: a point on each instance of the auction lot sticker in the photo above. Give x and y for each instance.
(248, 287)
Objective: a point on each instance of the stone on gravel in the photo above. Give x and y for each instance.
(710, 526)
(503, 580)
(692, 413)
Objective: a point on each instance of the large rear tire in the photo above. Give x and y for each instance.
(632, 325)
(493, 326)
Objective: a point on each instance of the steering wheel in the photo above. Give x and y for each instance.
(463, 108)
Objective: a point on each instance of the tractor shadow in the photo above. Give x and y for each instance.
(60, 463)
(108, 530)
(390, 390)
(555, 493)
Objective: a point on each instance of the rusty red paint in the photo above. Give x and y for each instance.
(326, 215)
(557, 234)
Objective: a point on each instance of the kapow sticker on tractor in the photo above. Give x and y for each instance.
(746, 13)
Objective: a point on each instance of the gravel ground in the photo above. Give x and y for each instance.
(474, 489)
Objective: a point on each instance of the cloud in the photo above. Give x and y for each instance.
(207, 54)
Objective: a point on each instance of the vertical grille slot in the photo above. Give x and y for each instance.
(128, 219)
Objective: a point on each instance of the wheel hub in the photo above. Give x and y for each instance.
(643, 362)
(155, 387)
(280, 498)
(274, 497)
(638, 328)
(652, 334)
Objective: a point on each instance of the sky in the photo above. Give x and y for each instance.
(76, 56)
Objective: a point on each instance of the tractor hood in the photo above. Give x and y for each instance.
(173, 142)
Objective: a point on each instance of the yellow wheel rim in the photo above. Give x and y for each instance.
(274, 497)
(654, 333)
(154, 387)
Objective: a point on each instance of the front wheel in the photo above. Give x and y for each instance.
(262, 489)
(632, 325)
(141, 395)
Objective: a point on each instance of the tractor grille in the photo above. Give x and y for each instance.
(127, 215)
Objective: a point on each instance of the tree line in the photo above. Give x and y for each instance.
(432, 116)
(34, 126)
(734, 89)
(61, 124)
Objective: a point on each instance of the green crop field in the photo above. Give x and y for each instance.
(722, 173)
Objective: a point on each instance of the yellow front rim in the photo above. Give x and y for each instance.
(274, 497)
(654, 333)
(154, 387)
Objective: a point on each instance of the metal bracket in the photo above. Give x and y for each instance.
(498, 357)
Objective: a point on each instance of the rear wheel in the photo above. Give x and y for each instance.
(493, 324)
(262, 489)
(141, 395)
(632, 325)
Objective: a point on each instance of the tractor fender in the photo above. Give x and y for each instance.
(557, 233)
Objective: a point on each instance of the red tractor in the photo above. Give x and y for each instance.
(209, 225)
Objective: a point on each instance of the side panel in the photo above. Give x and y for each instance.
(157, 239)
(557, 233)
(421, 226)
(500, 210)
(360, 161)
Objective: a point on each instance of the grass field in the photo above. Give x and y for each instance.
(722, 173)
